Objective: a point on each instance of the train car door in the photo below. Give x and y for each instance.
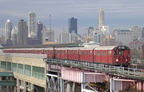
(118, 57)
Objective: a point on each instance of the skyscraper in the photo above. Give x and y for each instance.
(48, 36)
(101, 18)
(8, 28)
(39, 30)
(64, 37)
(72, 25)
(32, 25)
(14, 35)
(22, 33)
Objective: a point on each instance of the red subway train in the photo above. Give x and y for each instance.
(114, 55)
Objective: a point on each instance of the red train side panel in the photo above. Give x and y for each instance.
(86, 54)
(73, 53)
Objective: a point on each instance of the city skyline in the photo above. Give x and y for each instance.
(118, 13)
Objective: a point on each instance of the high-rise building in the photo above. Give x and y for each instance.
(89, 31)
(105, 30)
(109, 41)
(22, 33)
(97, 37)
(72, 25)
(8, 28)
(74, 37)
(123, 36)
(32, 25)
(64, 37)
(39, 30)
(14, 36)
(48, 36)
(101, 18)
(137, 32)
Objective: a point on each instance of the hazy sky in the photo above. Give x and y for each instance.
(118, 13)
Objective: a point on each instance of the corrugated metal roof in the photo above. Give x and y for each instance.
(105, 48)
(87, 48)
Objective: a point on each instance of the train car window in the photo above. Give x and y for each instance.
(98, 53)
(115, 52)
(75, 52)
(120, 52)
(82, 52)
(51, 52)
(86, 53)
(104, 53)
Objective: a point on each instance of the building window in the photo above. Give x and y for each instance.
(14, 67)
(27, 70)
(20, 68)
(9, 66)
(3, 65)
(38, 72)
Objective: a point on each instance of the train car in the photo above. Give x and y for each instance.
(73, 53)
(50, 52)
(115, 55)
(86, 54)
(61, 53)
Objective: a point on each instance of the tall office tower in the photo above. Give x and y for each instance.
(14, 35)
(97, 37)
(101, 18)
(8, 28)
(64, 37)
(72, 25)
(22, 33)
(89, 31)
(74, 37)
(123, 36)
(48, 36)
(39, 30)
(32, 25)
(105, 30)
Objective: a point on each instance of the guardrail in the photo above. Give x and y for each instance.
(121, 71)
(24, 55)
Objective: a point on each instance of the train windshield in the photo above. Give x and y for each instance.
(120, 50)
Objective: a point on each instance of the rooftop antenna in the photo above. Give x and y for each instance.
(50, 22)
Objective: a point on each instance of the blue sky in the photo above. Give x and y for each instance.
(118, 13)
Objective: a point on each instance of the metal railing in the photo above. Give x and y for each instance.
(24, 55)
(121, 71)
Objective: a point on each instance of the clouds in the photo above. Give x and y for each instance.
(86, 11)
(71, 6)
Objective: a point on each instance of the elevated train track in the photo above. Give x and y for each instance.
(125, 72)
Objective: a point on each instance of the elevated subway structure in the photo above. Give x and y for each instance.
(115, 75)
(33, 71)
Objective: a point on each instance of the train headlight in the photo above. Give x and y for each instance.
(126, 59)
(117, 60)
